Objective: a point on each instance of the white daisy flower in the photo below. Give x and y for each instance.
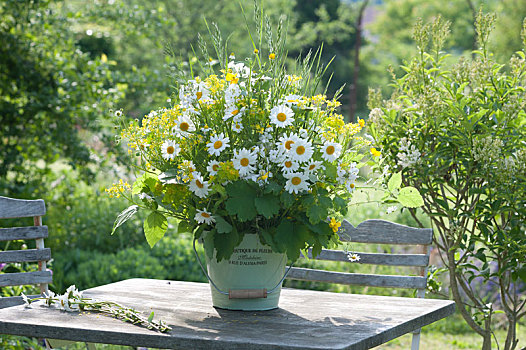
(289, 166)
(296, 182)
(217, 144)
(301, 151)
(184, 125)
(198, 186)
(64, 302)
(286, 141)
(290, 100)
(205, 129)
(204, 217)
(237, 127)
(233, 112)
(331, 151)
(245, 161)
(201, 92)
(27, 301)
(213, 167)
(276, 156)
(313, 166)
(170, 149)
(281, 116)
(350, 186)
(353, 257)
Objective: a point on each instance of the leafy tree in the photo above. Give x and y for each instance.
(50, 93)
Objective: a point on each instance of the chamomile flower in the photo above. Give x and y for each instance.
(170, 149)
(233, 112)
(281, 116)
(286, 141)
(184, 125)
(217, 144)
(204, 217)
(237, 127)
(296, 182)
(27, 301)
(331, 151)
(301, 151)
(353, 257)
(245, 161)
(201, 92)
(213, 167)
(232, 93)
(350, 186)
(289, 166)
(276, 156)
(313, 166)
(198, 186)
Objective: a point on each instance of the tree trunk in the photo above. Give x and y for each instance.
(353, 98)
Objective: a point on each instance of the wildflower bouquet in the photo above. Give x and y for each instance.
(247, 149)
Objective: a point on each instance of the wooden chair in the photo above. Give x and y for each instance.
(377, 232)
(17, 208)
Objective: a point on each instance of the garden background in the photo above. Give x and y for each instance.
(67, 66)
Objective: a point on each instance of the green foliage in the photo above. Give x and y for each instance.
(241, 200)
(155, 227)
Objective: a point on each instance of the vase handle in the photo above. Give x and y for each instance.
(241, 293)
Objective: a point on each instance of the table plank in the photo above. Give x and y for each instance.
(304, 320)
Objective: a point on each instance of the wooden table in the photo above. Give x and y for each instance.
(305, 319)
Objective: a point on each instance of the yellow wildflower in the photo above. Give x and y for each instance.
(361, 122)
(272, 56)
(256, 51)
(375, 153)
(334, 225)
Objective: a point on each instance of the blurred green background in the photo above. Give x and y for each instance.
(66, 66)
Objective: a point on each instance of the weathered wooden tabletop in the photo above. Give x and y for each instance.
(304, 320)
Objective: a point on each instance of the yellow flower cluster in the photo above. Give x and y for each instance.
(226, 172)
(118, 188)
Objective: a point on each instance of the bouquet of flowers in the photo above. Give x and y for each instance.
(248, 148)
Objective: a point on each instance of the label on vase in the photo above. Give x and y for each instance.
(249, 256)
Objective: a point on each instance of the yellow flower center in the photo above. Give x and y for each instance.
(330, 150)
(170, 149)
(215, 167)
(205, 215)
(244, 162)
(281, 117)
(288, 163)
(199, 94)
(295, 180)
(218, 144)
(184, 126)
(235, 112)
(300, 150)
(288, 144)
(351, 186)
(312, 166)
(199, 184)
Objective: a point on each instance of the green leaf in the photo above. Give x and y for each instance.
(268, 205)
(273, 187)
(394, 182)
(155, 227)
(287, 199)
(183, 226)
(410, 198)
(317, 213)
(292, 237)
(124, 216)
(340, 203)
(222, 226)
(225, 244)
(150, 318)
(522, 274)
(331, 171)
(241, 200)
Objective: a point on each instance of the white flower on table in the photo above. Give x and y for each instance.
(353, 257)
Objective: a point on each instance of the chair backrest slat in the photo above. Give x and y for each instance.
(384, 232)
(11, 208)
(420, 260)
(358, 279)
(24, 278)
(375, 232)
(20, 208)
(29, 232)
(28, 255)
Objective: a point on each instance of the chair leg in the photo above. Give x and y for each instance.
(416, 340)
